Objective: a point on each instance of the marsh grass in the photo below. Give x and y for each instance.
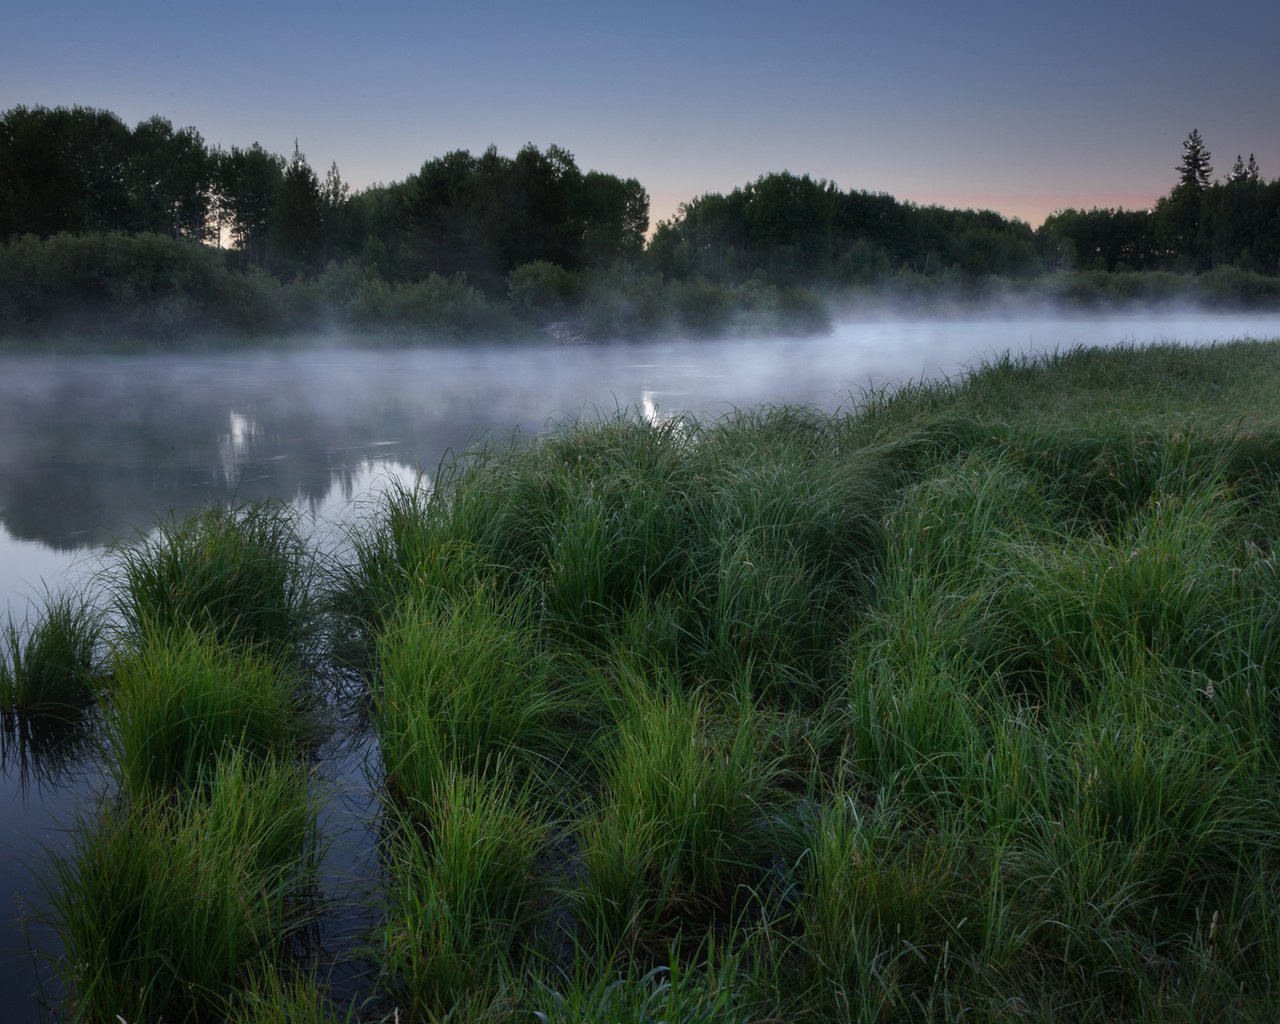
(183, 700)
(462, 892)
(464, 685)
(708, 991)
(162, 906)
(242, 574)
(276, 994)
(681, 829)
(52, 666)
(957, 704)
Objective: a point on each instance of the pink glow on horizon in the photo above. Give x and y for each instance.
(1032, 207)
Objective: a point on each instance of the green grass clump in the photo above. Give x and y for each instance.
(272, 994)
(681, 822)
(52, 667)
(185, 699)
(958, 704)
(706, 993)
(241, 574)
(463, 685)
(462, 891)
(888, 910)
(162, 906)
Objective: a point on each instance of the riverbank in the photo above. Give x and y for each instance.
(954, 704)
(129, 293)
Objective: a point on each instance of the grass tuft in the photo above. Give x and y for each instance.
(163, 906)
(241, 574)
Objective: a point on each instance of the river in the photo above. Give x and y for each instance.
(96, 449)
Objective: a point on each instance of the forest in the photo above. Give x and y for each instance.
(149, 232)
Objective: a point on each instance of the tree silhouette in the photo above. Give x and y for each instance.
(1195, 169)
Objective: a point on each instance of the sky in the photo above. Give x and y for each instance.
(1021, 107)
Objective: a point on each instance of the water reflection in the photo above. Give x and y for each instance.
(37, 750)
(94, 448)
(234, 446)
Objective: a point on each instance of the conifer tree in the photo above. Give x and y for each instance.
(1195, 169)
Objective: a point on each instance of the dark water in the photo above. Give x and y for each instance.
(96, 449)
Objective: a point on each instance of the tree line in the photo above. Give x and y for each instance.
(159, 228)
(789, 228)
(79, 170)
(1202, 223)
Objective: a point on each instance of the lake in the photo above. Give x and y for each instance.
(94, 449)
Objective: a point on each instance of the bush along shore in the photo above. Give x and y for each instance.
(99, 292)
(958, 704)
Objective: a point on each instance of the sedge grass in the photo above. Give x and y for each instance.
(462, 891)
(163, 905)
(682, 819)
(52, 666)
(276, 994)
(463, 685)
(243, 574)
(954, 705)
(708, 991)
(182, 700)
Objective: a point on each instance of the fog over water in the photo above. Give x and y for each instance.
(95, 448)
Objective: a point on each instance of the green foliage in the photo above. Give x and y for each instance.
(140, 286)
(52, 666)
(705, 993)
(243, 575)
(103, 231)
(956, 701)
(163, 906)
(955, 704)
(792, 230)
(462, 892)
(460, 684)
(183, 701)
(681, 820)
(540, 287)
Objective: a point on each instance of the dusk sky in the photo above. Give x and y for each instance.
(1019, 107)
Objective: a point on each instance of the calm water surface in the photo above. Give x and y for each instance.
(96, 449)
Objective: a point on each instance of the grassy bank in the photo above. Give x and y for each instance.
(955, 705)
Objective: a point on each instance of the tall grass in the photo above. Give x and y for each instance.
(243, 574)
(462, 892)
(464, 684)
(183, 700)
(683, 818)
(954, 705)
(162, 906)
(705, 992)
(52, 666)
